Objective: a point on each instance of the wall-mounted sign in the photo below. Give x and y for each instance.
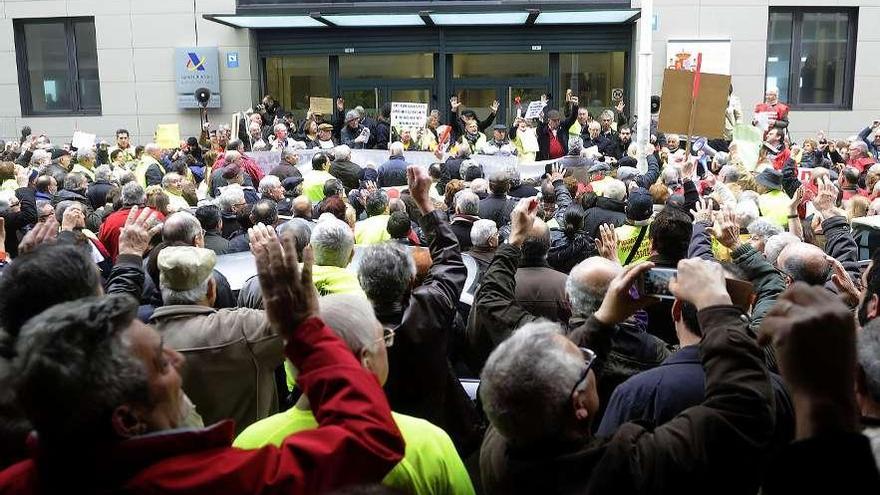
(682, 55)
(231, 60)
(194, 68)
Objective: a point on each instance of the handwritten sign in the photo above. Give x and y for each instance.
(409, 115)
(168, 136)
(534, 109)
(324, 106)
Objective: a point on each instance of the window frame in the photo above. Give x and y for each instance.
(24, 82)
(797, 16)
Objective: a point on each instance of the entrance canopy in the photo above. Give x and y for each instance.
(274, 14)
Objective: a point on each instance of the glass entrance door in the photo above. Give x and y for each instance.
(374, 96)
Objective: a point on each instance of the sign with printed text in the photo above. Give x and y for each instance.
(194, 68)
(409, 115)
(533, 111)
(168, 136)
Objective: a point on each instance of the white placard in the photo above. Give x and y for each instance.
(763, 119)
(409, 115)
(83, 140)
(682, 55)
(534, 109)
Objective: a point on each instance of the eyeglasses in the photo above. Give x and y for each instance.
(387, 337)
(589, 358)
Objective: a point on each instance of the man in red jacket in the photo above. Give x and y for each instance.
(104, 395)
(132, 195)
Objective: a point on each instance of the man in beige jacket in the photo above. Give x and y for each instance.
(231, 354)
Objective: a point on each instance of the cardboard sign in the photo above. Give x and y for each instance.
(710, 105)
(409, 115)
(83, 140)
(534, 109)
(324, 106)
(168, 136)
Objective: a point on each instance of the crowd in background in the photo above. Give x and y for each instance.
(129, 360)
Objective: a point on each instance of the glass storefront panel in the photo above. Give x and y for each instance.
(824, 38)
(779, 53)
(500, 65)
(592, 77)
(394, 66)
(292, 80)
(477, 99)
(371, 99)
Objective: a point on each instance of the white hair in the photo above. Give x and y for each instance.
(480, 185)
(467, 202)
(167, 178)
(85, 154)
(526, 383)
(279, 127)
(133, 194)
(151, 148)
(232, 156)
(746, 212)
(396, 148)
(775, 244)
(269, 182)
(191, 296)
(481, 231)
(614, 189)
(342, 152)
(352, 318)
(104, 172)
(231, 195)
(333, 242)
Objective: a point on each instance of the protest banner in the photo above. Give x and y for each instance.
(83, 140)
(409, 115)
(323, 106)
(747, 139)
(268, 160)
(168, 136)
(534, 109)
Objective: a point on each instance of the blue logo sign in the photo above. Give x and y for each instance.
(195, 63)
(232, 60)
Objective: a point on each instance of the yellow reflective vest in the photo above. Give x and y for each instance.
(627, 235)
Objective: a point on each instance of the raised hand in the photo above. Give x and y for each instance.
(41, 233)
(419, 183)
(700, 282)
(620, 106)
(796, 200)
(726, 229)
(606, 244)
(849, 293)
(688, 167)
(73, 218)
(494, 106)
(289, 296)
(557, 172)
(139, 228)
(619, 302)
(521, 220)
(703, 212)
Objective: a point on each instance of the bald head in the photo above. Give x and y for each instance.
(536, 245)
(804, 262)
(183, 226)
(302, 207)
(587, 283)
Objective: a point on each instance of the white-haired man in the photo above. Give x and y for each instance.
(393, 171)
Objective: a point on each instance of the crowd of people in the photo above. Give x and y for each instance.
(129, 362)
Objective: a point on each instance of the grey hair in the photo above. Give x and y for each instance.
(41, 157)
(584, 299)
(78, 353)
(396, 148)
(62, 206)
(481, 231)
(775, 244)
(333, 242)
(868, 354)
(75, 181)
(133, 194)
(166, 179)
(151, 148)
(85, 154)
(385, 272)
(192, 296)
(352, 318)
(182, 226)
(614, 189)
(342, 152)
(229, 197)
(104, 172)
(279, 126)
(746, 212)
(268, 182)
(480, 186)
(232, 156)
(526, 382)
(764, 228)
(467, 202)
(606, 114)
(669, 175)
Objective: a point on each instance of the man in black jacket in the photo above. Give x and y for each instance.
(20, 213)
(610, 208)
(539, 392)
(421, 382)
(344, 169)
(497, 206)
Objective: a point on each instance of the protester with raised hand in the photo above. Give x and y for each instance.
(814, 338)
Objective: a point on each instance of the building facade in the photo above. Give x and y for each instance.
(97, 66)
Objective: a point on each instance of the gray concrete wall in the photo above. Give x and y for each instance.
(135, 41)
(745, 23)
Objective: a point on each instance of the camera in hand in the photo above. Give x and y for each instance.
(655, 282)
